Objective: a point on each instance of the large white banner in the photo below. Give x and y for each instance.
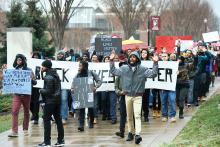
(166, 78)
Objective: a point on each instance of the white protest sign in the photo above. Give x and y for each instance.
(166, 78)
(211, 36)
(185, 44)
(17, 81)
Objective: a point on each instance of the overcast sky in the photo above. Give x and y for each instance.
(216, 6)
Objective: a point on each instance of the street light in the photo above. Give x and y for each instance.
(205, 22)
(149, 6)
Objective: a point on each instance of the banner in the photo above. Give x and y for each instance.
(155, 23)
(16, 81)
(104, 46)
(211, 36)
(166, 78)
(169, 42)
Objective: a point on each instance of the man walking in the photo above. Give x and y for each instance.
(51, 97)
(133, 76)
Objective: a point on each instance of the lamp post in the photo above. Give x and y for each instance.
(149, 6)
(205, 22)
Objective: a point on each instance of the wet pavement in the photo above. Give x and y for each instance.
(154, 133)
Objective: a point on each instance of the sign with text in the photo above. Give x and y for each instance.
(17, 81)
(83, 96)
(166, 78)
(155, 23)
(211, 36)
(104, 46)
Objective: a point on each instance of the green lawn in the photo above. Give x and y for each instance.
(204, 128)
(5, 113)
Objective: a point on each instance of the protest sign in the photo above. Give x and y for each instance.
(17, 81)
(166, 78)
(104, 46)
(83, 96)
(211, 36)
(185, 44)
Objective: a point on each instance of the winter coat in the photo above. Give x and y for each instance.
(133, 81)
(52, 88)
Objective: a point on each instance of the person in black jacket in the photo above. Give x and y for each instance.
(51, 97)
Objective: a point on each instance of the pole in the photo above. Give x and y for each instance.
(148, 30)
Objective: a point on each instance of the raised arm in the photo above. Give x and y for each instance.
(113, 69)
(151, 73)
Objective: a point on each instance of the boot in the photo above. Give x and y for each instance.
(120, 134)
(138, 139)
(181, 113)
(130, 137)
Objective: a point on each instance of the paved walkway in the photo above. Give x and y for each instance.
(154, 133)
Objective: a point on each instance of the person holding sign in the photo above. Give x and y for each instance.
(51, 94)
(84, 72)
(133, 76)
(20, 99)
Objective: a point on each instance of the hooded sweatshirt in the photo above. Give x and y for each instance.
(133, 80)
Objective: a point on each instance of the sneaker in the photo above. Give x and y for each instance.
(164, 119)
(44, 145)
(158, 114)
(120, 134)
(173, 119)
(113, 122)
(64, 121)
(13, 134)
(154, 115)
(138, 139)
(35, 122)
(25, 132)
(130, 137)
(80, 129)
(91, 125)
(95, 121)
(62, 143)
(146, 119)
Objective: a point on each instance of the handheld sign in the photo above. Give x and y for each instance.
(104, 46)
(211, 36)
(83, 96)
(17, 81)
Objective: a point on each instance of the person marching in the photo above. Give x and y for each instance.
(133, 77)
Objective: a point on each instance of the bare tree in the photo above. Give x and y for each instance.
(78, 38)
(59, 15)
(128, 12)
(187, 18)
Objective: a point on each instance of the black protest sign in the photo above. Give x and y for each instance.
(83, 96)
(104, 46)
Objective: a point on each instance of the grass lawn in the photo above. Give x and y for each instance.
(5, 113)
(204, 128)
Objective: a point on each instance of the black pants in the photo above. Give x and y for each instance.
(156, 99)
(145, 103)
(34, 105)
(123, 114)
(181, 95)
(105, 104)
(81, 118)
(49, 110)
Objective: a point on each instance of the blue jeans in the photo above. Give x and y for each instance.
(168, 97)
(113, 101)
(64, 104)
